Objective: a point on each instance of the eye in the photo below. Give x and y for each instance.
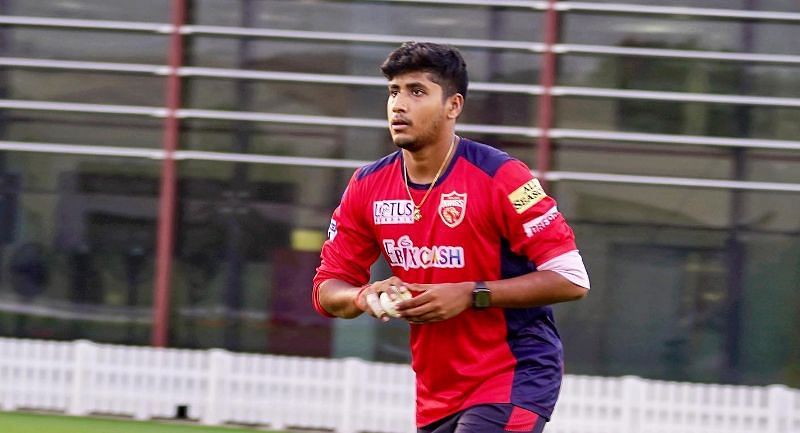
(418, 91)
(393, 92)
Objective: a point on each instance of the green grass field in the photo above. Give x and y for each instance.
(20, 422)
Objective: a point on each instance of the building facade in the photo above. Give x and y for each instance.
(168, 168)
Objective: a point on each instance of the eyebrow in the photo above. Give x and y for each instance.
(410, 84)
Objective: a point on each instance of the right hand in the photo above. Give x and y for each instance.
(367, 299)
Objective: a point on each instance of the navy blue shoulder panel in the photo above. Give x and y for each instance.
(485, 157)
(377, 165)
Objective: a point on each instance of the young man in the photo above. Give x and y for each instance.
(471, 234)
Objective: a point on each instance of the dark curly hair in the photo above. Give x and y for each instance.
(443, 62)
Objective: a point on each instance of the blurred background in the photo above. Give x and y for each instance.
(669, 134)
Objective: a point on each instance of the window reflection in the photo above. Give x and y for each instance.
(145, 10)
(690, 118)
(694, 33)
(684, 273)
(760, 5)
(506, 109)
(85, 45)
(672, 160)
(86, 87)
(80, 128)
(678, 75)
(377, 18)
(329, 57)
(248, 243)
(78, 247)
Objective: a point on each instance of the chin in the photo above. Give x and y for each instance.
(406, 143)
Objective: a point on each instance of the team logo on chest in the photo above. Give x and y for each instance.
(452, 208)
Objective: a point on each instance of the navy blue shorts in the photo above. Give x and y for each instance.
(488, 418)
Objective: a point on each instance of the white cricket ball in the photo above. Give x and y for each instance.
(389, 305)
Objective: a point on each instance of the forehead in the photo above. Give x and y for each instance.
(419, 77)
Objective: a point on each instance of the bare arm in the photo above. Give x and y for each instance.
(443, 301)
(343, 300)
(533, 290)
(338, 298)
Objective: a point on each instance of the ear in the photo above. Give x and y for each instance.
(454, 105)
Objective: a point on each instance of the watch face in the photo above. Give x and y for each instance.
(481, 298)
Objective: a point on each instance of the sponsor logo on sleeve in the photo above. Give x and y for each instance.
(393, 212)
(332, 229)
(538, 224)
(524, 197)
(403, 253)
(452, 208)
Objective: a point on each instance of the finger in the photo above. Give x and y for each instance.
(375, 305)
(399, 293)
(393, 292)
(417, 287)
(387, 304)
(386, 285)
(414, 302)
(426, 318)
(417, 312)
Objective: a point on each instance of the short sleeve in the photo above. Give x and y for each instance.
(530, 219)
(350, 249)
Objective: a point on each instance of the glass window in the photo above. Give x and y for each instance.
(375, 18)
(288, 98)
(676, 160)
(676, 335)
(77, 246)
(627, 204)
(679, 75)
(666, 117)
(248, 244)
(324, 57)
(503, 109)
(287, 140)
(679, 286)
(81, 128)
(118, 10)
(645, 159)
(774, 165)
(770, 336)
(360, 144)
(85, 87)
(85, 45)
(759, 5)
(771, 211)
(689, 34)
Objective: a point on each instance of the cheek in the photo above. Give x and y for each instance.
(432, 112)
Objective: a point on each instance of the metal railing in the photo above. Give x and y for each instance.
(337, 163)
(355, 80)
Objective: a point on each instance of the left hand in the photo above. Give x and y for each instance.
(436, 302)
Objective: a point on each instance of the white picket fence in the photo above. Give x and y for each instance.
(347, 396)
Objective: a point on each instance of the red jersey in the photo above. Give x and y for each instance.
(486, 218)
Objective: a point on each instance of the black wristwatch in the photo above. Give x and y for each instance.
(481, 296)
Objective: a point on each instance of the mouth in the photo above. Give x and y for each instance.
(399, 124)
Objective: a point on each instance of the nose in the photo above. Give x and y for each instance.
(398, 104)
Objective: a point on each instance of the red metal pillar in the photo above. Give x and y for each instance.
(167, 197)
(547, 78)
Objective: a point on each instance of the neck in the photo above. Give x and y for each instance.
(423, 164)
